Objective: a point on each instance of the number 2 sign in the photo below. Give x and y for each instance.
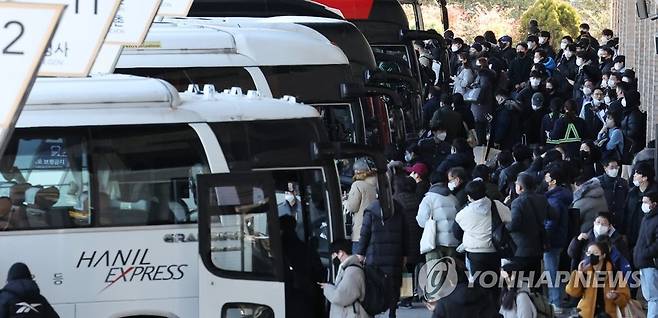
(25, 31)
(79, 37)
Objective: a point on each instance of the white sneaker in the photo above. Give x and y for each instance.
(557, 310)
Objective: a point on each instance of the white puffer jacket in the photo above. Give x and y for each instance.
(442, 206)
(475, 221)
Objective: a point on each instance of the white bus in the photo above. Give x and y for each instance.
(128, 199)
(295, 60)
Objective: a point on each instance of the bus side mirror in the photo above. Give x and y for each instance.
(352, 90)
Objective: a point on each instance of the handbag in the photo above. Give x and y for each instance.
(472, 95)
(407, 287)
(500, 236)
(428, 240)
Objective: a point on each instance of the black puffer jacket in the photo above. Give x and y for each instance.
(616, 191)
(633, 213)
(24, 290)
(529, 211)
(634, 127)
(409, 203)
(384, 243)
(646, 248)
(467, 302)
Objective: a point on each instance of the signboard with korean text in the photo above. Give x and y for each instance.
(175, 8)
(25, 31)
(132, 21)
(79, 37)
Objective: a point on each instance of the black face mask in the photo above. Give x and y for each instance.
(336, 261)
(520, 54)
(594, 259)
(584, 155)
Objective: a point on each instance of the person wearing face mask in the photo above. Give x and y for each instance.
(457, 180)
(606, 63)
(600, 294)
(593, 112)
(535, 85)
(586, 71)
(450, 119)
(589, 160)
(544, 43)
(363, 193)
(633, 124)
(619, 64)
(607, 37)
(628, 76)
(643, 183)
(646, 252)
(474, 52)
(549, 120)
(532, 44)
(602, 228)
(506, 50)
(522, 158)
(611, 139)
(473, 226)
(569, 130)
(349, 288)
(457, 46)
(589, 199)
(564, 42)
(620, 89)
(465, 75)
(534, 118)
(519, 68)
(418, 172)
(567, 71)
(557, 228)
(441, 205)
(506, 122)
(615, 188)
(434, 149)
(542, 57)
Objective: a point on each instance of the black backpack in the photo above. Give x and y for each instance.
(500, 236)
(32, 307)
(379, 290)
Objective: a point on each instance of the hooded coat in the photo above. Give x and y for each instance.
(590, 200)
(646, 249)
(362, 193)
(475, 222)
(633, 215)
(441, 205)
(506, 124)
(383, 242)
(529, 212)
(348, 290)
(21, 288)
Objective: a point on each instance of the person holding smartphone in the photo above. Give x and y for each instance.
(596, 285)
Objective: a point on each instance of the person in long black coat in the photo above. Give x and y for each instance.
(383, 244)
(405, 195)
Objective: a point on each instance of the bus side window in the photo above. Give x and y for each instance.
(44, 174)
(145, 174)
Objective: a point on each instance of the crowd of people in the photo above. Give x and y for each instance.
(556, 127)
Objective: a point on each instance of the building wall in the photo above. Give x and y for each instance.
(637, 43)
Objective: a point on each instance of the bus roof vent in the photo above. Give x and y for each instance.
(236, 91)
(193, 89)
(208, 90)
(253, 94)
(289, 99)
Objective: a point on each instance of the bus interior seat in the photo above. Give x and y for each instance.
(35, 215)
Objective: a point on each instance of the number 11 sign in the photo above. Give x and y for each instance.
(25, 31)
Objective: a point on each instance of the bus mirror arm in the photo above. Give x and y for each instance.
(421, 35)
(380, 77)
(352, 90)
(376, 90)
(341, 150)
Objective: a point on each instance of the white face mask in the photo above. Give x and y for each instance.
(534, 82)
(597, 102)
(452, 185)
(612, 173)
(636, 183)
(600, 229)
(408, 157)
(536, 107)
(607, 100)
(623, 102)
(587, 91)
(542, 40)
(531, 45)
(604, 84)
(625, 79)
(646, 207)
(612, 83)
(536, 60)
(454, 48)
(568, 54)
(563, 45)
(579, 62)
(619, 66)
(441, 136)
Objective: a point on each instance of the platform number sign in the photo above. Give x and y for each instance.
(78, 39)
(25, 31)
